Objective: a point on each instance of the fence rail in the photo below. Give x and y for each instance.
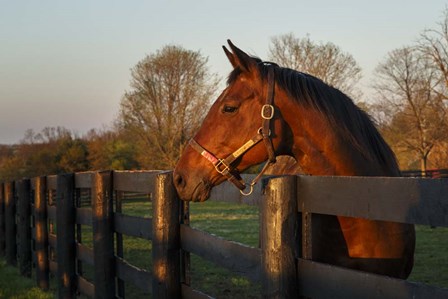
(432, 173)
(52, 212)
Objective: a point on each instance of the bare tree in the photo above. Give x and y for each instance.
(415, 117)
(170, 94)
(325, 61)
(433, 46)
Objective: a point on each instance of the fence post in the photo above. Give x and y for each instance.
(2, 220)
(24, 226)
(119, 196)
(279, 243)
(65, 231)
(166, 239)
(185, 256)
(103, 238)
(40, 224)
(10, 225)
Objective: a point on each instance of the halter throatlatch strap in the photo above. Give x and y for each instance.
(224, 166)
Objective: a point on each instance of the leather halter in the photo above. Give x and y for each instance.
(224, 166)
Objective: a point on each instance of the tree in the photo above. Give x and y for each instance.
(415, 115)
(54, 150)
(111, 149)
(439, 156)
(325, 61)
(433, 45)
(170, 95)
(72, 155)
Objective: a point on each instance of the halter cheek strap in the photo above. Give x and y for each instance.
(267, 113)
(224, 166)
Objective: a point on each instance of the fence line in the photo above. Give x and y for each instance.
(432, 173)
(57, 208)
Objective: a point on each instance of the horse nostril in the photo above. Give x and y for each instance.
(179, 181)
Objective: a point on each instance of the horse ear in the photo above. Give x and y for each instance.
(239, 58)
(230, 57)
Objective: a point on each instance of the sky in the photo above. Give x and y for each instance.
(67, 63)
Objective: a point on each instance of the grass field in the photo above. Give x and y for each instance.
(431, 256)
(14, 286)
(238, 223)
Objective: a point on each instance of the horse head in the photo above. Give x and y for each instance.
(242, 128)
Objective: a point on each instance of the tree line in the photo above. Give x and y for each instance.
(171, 91)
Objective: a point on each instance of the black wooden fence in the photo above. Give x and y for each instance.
(40, 222)
(431, 173)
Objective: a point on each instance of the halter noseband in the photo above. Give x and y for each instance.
(224, 166)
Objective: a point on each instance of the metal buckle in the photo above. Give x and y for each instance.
(218, 164)
(270, 108)
(260, 131)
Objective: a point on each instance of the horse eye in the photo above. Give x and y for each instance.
(229, 109)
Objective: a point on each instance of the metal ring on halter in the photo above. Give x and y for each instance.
(250, 191)
(260, 131)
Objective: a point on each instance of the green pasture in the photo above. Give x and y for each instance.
(14, 286)
(233, 222)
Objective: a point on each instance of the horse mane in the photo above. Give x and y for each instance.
(352, 123)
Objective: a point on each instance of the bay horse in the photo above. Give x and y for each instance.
(267, 110)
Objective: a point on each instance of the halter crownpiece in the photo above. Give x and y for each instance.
(224, 166)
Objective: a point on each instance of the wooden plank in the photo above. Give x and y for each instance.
(41, 233)
(51, 212)
(79, 228)
(406, 200)
(86, 287)
(227, 192)
(52, 182)
(318, 280)
(135, 181)
(84, 216)
(279, 225)
(10, 225)
(185, 260)
(84, 179)
(238, 258)
(84, 254)
(133, 226)
(135, 275)
(165, 239)
(307, 236)
(53, 266)
(23, 188)
(190, 293)
(52, 240)
(119, 195)
(65, 242)
(103, 235)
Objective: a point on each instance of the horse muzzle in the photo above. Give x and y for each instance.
(191, 188)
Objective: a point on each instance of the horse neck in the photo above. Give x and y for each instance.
(319, 148)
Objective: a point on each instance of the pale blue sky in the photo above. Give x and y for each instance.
(66, 63)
